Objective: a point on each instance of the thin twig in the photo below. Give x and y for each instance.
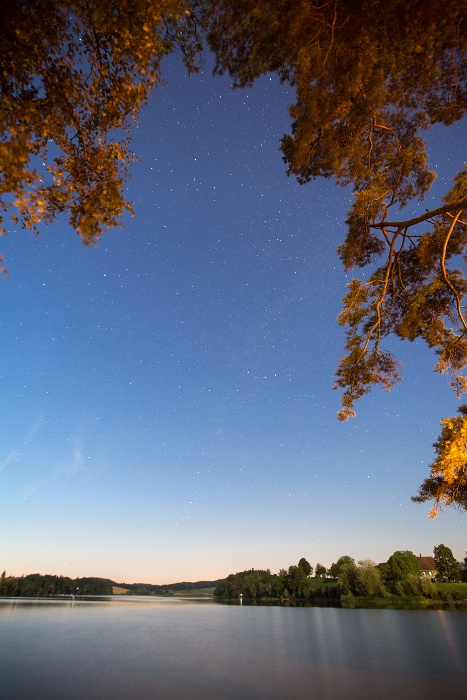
(332, 35)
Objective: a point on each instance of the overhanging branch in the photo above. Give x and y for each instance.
(423, 217)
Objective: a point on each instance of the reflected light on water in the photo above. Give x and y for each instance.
(205, 651)
(452, 642)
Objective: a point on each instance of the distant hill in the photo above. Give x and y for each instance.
(166, 588)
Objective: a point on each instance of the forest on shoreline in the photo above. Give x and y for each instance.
(399, 577)
(52, 585)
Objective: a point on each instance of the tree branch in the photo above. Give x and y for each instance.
(423, 217)
(332, 35)
(377, 325)
(445, 275)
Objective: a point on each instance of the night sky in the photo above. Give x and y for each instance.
(168, 412)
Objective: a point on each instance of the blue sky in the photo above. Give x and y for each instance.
(168, 411)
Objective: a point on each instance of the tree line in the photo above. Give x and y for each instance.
(51, 585)
(399, 576)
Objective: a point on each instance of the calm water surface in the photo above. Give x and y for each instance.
(180, 649)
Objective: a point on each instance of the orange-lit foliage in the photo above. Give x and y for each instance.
(73, 76)
(369, 77)
(447, 484)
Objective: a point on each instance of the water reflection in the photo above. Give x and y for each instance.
(175, 648)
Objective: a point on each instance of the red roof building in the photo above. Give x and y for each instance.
(427, 566)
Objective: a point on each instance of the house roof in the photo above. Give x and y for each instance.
(427, 563)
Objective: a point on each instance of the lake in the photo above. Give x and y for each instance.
(153, 648)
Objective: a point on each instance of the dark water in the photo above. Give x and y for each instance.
(178, 649)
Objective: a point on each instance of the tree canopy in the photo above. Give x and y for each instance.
(402, 564)
(362, 103)
(447, 566)
(337, 567)
(320, 570)
(447, 484)
(73, 77)
(364, 579)
(256, 583)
